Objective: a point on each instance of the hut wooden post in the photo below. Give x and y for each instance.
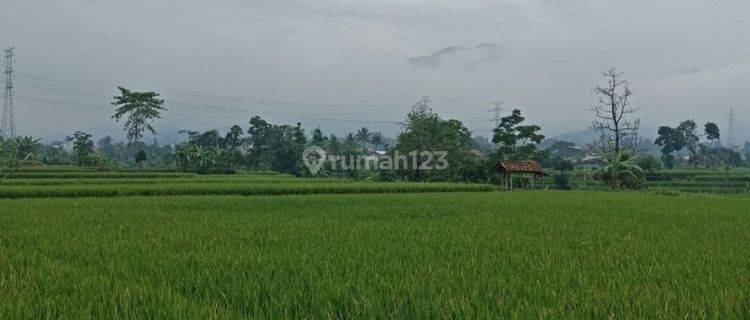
(529, 171)
(510, 181)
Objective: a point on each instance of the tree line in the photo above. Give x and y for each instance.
(262, 145)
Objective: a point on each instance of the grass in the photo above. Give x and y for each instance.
(202, 179)
(98, 175)
(50, 184)
(173, 245)
(695, 180)
(461, 255)
(297, 187)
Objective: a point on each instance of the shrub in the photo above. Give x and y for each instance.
(648, 163)
(562, 182)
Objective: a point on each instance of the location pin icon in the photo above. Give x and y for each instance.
(314, 158)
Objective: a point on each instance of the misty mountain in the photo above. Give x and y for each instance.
(580, 138)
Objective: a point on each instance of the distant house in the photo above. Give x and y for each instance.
(477, 153)
(593, 162)
(524, 172)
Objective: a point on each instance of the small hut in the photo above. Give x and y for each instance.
(526, 171)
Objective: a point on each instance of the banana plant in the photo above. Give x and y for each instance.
(621, 171)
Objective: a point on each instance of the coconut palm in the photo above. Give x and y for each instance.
(350, 139)
(377, 139)
(363, 136)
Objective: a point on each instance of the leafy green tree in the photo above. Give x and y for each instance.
(566, 150)
(232, 143)
(712, 132)
(300, 138)
(516, 141)
(140, 157)
(318, 138)
(8, 152)
(54, 153)
(729, 157)
(98, 159)
(276, 147)
(83, 148)
(424, 131)
(258, 141)
(333, 145)
(210, 152)
(648, 163)
(562, 180)
(105, 146)
(13, 150)
(140, 108)
(671, 140)
(562, 165)
(233, 139)
(689, 131)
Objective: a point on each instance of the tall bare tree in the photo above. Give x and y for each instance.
(613, 111)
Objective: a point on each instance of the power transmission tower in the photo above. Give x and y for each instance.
(730, 133)
(8, 127)
(496, 110)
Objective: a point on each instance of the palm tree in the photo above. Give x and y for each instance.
(350, 139)
(377, 139)
(363, 135)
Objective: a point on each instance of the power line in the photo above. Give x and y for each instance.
(203, 106)
(8, 126)
(56, 82)
(55, 87)
(730, 135)
(46, 71)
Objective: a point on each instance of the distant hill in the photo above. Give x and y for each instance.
(580, 138)
(585, 137)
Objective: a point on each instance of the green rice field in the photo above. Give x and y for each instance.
(266, 246)
(718, 180)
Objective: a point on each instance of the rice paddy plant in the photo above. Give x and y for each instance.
(493, 255)
(111, 190)
(200, 179)
(98, 175)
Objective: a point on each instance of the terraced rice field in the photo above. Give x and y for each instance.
(735, 180)
(105, 247)
(71, 184)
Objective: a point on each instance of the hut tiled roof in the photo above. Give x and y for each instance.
(526, 166)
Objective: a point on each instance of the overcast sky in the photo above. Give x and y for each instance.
(344, 64)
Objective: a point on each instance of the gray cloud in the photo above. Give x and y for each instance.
(467, 57)
(343, 64)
